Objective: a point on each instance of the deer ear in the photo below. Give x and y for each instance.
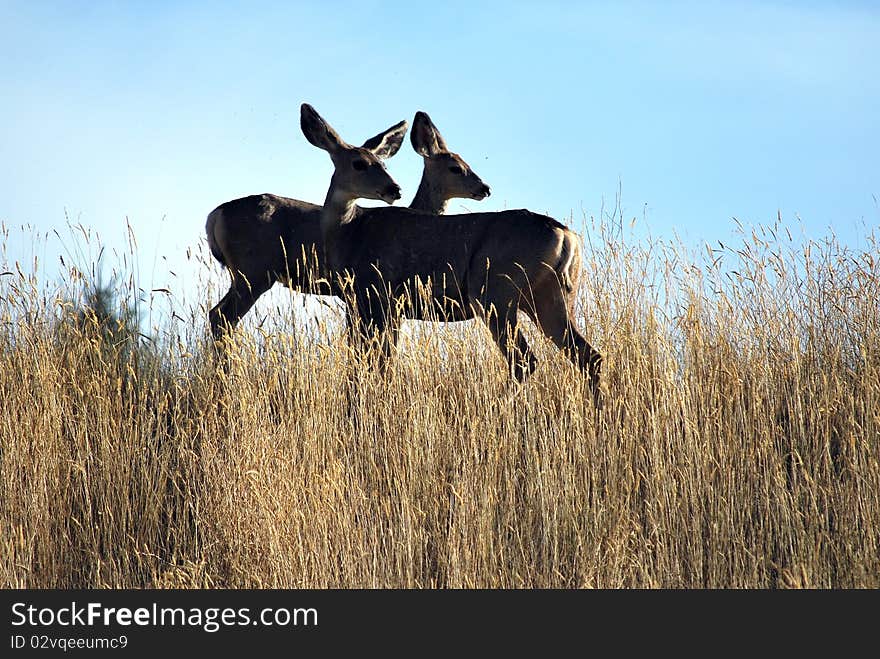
(387, 143)
(425, 138)
(318, 131)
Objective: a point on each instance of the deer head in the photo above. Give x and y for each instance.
(359, 172)
(444, 170)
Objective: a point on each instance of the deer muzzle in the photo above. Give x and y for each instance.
(390, 194)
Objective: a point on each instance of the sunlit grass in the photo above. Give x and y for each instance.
(738, 444)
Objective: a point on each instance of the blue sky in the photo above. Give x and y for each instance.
(159, 111)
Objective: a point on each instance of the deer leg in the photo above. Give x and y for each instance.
(551, 314)
(387, 342)
(375, 323)
(236, 303)
(513, 345)
(364, 330)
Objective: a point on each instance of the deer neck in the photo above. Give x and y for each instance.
(428, 199)
(339, 209)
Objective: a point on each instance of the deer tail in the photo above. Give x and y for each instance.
(214, 217)
(568, 268)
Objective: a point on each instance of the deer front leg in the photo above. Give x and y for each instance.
(513, 345)
(236, 303)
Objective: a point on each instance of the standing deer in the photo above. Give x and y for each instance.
(484, 265)
(263, 239)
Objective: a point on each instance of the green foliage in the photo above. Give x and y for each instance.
(105, 315)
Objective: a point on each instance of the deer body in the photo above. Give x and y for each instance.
(459, 265)
(241, 231)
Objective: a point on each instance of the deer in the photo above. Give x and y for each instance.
(474, 265)
(266, 239)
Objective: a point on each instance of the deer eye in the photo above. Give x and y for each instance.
(455, 169)
(359, 165)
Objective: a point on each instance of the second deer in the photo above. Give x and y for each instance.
(484, 265)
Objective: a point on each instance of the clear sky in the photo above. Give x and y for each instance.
(701, 111)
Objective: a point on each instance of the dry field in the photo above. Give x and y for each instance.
(738, 444)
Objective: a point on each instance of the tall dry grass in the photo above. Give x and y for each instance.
(738, 444)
